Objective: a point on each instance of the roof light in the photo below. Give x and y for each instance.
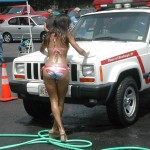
(97, 7)
(118, 6)
(127, 5)
(122, 1)
(103, 4)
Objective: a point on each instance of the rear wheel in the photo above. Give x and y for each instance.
(37, 109)
(123, 109)
(7, 38)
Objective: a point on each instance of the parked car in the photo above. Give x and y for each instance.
(16, 27)
(17, 10)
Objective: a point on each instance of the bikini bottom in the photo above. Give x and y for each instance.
(54, 71)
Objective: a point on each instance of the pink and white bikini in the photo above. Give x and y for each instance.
(56, 71)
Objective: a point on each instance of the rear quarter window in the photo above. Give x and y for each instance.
(13, 21)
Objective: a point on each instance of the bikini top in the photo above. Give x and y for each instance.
(56, 50)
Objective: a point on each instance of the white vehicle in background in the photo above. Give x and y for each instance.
(119, 42)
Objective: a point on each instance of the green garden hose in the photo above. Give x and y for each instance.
(75, 144)
(42, 138)
(126, 148)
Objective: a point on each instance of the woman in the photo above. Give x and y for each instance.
(56, 71)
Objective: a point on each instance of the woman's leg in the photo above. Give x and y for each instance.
(62, 88)
(52, 91)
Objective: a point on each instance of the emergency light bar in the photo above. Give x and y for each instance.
(106, 4)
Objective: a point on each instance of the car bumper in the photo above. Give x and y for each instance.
(99, 92)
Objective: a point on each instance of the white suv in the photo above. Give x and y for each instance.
(115, 74)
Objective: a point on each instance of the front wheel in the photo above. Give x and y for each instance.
(7, 38)
(123, 109)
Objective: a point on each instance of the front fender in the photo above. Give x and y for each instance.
(119, 68)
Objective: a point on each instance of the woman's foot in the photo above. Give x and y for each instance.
(63, 137)
(53, 133)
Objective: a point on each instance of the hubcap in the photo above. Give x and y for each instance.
(7, 38)
(129, 103)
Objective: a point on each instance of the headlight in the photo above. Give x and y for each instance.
(88, 70)
(20, 69)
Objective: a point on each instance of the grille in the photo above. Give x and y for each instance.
(34, 71)
(73, 72)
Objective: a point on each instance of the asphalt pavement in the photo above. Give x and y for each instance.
(80, 122)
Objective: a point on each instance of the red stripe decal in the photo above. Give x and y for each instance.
(124, 56)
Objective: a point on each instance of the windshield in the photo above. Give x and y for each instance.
(15, 10)
(39, 20)
(6, 10)
(122, 26)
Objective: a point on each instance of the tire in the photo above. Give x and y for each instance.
(123, 109)
(37, 109)
(7, 38)
(42, 36)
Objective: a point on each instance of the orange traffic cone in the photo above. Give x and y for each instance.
(6, 92)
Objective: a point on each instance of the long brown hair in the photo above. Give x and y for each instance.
(60, 28)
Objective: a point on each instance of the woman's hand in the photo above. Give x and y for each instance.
(89, 54)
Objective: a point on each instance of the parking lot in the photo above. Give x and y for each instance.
(80, 122)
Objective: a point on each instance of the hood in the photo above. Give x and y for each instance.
(32, 57)
(98, 51)
(103, 50)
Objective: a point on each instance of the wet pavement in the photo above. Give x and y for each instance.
(80, 122)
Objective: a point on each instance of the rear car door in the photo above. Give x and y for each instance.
(24, 28)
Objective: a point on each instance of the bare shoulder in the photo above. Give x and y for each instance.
(70, 36)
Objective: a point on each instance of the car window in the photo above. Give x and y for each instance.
(113, 26)
(13, 21)
(16, 10)
(6, 10)
(39, 20)
(24, 21)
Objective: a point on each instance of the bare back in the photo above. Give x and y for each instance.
(57, 51)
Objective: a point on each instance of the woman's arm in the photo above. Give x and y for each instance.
(43, 48)
(76, 46)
